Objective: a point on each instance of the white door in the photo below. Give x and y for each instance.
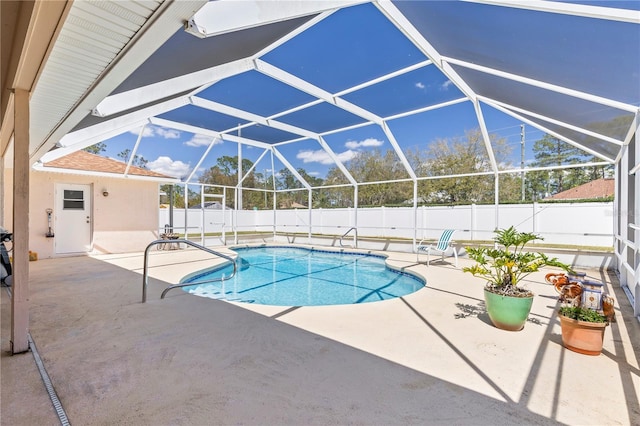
(73, 218)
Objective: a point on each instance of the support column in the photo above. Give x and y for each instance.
(20, 286)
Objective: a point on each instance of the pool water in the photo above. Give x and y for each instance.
(286, 276)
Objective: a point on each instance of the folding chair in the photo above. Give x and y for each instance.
(443, 246)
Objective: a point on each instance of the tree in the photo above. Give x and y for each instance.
(178, 195)
(459, 156)
(550, 151)
(97, 149)
(225, 173)
(287, 180)
(138, 161)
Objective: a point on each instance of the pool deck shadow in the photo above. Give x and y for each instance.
(430, 357)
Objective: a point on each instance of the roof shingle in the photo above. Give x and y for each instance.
(599, 188)
(83, 160)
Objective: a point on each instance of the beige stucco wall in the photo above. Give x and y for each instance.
(124, 221)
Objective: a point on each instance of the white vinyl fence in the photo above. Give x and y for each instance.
(585, 224)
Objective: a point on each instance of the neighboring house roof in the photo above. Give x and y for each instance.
(214, 205)
(87, 162)
(599, 188)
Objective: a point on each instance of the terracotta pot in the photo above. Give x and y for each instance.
(582, 337)
(506, 312)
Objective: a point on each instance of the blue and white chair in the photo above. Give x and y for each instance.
(444, 247)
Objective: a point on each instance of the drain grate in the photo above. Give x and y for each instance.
(64, 421)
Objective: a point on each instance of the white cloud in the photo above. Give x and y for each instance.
(322, 157)
(319, 156)
(420, 85)
(201, 140)
(167, 133)
(150, 131)
(365, 143)
(167, 166)
(445, 85)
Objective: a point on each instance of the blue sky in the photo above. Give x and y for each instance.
(333, 55)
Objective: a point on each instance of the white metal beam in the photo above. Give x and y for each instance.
(97, 132)
(403, 24)
(313, 90)
(143, 95)
(549, 131)
(490, 101)
(292, 169)
(565, 8)
(245, 115)
(67, 147)
(485, 136)
(396, 147)
(335, 159)
(220, 17)
(201, 160)
(543, 85)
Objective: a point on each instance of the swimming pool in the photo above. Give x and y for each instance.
(290, 276)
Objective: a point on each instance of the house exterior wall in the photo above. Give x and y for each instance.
(124, 221)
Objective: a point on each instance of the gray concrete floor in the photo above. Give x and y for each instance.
(431, 357)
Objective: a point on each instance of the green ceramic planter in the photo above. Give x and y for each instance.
(506, 312)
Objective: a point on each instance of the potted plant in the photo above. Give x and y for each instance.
(582, 329)
(503, 267)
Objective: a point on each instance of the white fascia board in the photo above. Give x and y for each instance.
(402, 23)
(168, 19)
(578, 129)
(548, 86)
(153, 92)
(220, 17)
(517, 116)
(291, 168)
(597, 12)
(41, 168)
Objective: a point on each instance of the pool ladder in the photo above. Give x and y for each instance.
(145, 273)
(355, 237)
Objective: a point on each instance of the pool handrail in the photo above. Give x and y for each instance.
(355, 237)
(145, 274)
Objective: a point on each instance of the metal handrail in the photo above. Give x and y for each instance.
(145, 274)
(355, 239)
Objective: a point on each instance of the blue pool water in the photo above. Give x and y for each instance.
(286, 276)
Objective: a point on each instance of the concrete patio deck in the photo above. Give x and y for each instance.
(431, 357)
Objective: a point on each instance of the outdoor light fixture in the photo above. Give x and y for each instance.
(49, 233)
